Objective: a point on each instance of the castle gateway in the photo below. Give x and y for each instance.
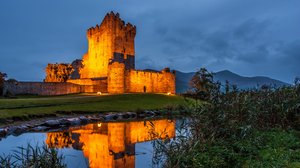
(109, 64)
(107, 67)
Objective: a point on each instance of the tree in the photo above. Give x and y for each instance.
(2, 79)
(11, 80)
(202, 84)
(58, 72)
(297, 84)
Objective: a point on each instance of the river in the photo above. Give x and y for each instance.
(107, 144)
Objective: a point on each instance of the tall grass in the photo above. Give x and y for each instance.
(33, 157)
(248, 128)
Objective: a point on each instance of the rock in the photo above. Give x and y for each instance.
(97, 118)
(17, 130)
(84, 120)
(141, 115)
(40, 128)
(3, 132)
(52, 123)
(74, 121)
(11, 129)
(109, 117)
(157, 113)
(132, 115)
(150, 113)
(64, 122)
(21, 129)
(124, 116)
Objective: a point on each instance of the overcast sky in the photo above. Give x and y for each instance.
(248, 37)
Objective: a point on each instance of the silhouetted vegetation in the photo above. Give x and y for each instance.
(248, 128)
(2, 79)
(30, 156)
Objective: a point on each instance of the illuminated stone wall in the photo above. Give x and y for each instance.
(41, 88)
(112, 36)
(134, 81)
(150, 82)
(91, 85)
(116, 78)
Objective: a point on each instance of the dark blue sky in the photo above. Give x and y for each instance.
(248, 37)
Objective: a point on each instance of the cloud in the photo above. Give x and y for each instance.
(250, 37)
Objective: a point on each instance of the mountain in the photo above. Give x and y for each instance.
(182, 80)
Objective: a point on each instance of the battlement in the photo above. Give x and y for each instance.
(112, 40)
(112, 20)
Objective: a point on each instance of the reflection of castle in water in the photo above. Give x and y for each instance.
(111, 144)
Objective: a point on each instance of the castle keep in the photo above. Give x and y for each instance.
(112, 41)
(107, 67)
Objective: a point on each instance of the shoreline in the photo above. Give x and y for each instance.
(65, 121)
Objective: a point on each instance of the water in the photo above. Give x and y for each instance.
(112, 144)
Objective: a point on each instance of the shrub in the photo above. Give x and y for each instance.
(238, 128)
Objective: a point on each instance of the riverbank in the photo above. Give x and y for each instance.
(66, 121)
(237, 128)
(29, 108)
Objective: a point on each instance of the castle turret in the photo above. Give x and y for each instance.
(112, 40)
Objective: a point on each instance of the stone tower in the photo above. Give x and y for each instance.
(112, 41)
(109, 64)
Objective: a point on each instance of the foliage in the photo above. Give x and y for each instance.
(11, 80)
(202, 85)
(247, 128)
(273, 148)
(30, 156)
(2, 79)
(58, 72)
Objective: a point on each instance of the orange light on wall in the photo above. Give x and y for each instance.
(99, 93)
(169, 93)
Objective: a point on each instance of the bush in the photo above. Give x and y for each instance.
(246, 128)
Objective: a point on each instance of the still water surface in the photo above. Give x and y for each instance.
(107, 145)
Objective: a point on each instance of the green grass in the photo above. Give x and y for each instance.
(24, 106)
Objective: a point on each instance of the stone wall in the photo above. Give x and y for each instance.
(41, 88)
(149, 82)
(116, 78)
(91, 85)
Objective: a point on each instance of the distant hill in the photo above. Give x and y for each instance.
(182, 80)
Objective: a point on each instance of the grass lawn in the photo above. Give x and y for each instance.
(23, 106)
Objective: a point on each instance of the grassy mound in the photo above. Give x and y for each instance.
(28, 106)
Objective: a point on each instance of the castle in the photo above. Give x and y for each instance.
(110, 61)
(107, 67)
